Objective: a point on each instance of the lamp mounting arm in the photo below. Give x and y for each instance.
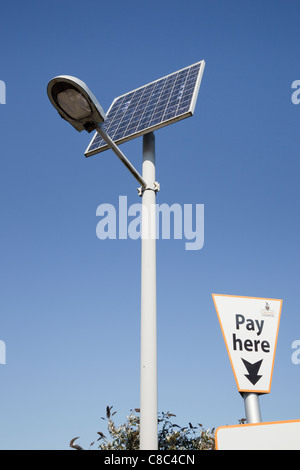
(121, 156)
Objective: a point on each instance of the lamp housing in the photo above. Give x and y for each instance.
(75, 103)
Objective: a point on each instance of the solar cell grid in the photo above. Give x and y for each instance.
(150, 107)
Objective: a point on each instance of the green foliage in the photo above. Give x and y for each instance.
(170, 436)
(174, 437)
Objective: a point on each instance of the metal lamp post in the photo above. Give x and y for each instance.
(76, 104)
(148, 373)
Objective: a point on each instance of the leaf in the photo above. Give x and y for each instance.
(75, 446)
(108, 408)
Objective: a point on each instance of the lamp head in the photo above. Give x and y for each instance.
(75, 103)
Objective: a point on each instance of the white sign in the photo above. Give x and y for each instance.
(280, 435)
(250, 329)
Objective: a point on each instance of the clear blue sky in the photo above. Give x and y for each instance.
(70, 303)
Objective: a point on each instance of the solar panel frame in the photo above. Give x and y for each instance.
(130, 107)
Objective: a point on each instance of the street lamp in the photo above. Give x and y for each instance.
(76, 104)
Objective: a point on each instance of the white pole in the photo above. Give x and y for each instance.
(148, 390)
(252, 408)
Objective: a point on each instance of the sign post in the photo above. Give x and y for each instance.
(250, 330)
(252, 408)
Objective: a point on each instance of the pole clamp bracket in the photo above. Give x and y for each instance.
(155, 188)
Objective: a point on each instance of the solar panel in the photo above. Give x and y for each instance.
(150, 107)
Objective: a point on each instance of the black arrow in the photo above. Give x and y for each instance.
(252, 369)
